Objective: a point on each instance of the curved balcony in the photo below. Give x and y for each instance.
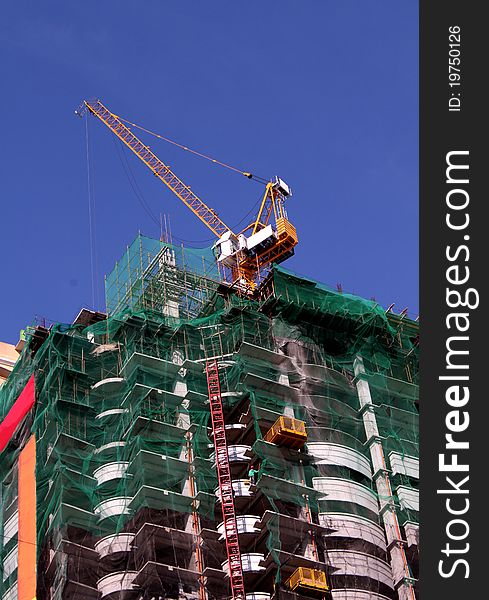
(109, 471)
(327, 374)
(110, 447)
(229, 427)
(250, 563)
(359, 564)
(351, 440)
(122, 581)
(232, 394)
(241, 488)
(344, 490)
(114, 543)
(113, 507)
(236, 454)
(258, 596)
(354, 527)
(112, 412)
(245, 524)
(109, 385)
(327, 453)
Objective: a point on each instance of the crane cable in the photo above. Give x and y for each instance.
(260, 180)
(139, 195)
(141, 199)
(91, 225)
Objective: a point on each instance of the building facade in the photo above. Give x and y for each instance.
(320, 404)
(8, 357)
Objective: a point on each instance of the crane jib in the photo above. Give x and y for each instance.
(244, 260)
(162, 171)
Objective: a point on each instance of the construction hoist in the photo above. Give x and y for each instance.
(245, 258)
(225, 481)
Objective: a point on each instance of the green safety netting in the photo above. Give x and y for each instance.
(122, 413)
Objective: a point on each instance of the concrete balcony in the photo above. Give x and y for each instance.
(112, 584)
(113, 507)
(73, 564)
(404, 464)
(110, 450)
(270, 386)
(325, 374)
(241, 488)
(112, 544)
(110, 471)
(347, 491)
(254, 352)
(354, 527)
(111, 412)
(159, 498)
(250, 563)
(236, 454)
(327, 453)
(408, 497)
(245, 524)
(359, 564)
(139, 392)
(74, 515)
(149, 364)
(108, 386)
(159, 470)
(74, 589)
(72, 450)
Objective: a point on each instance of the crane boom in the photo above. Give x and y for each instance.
(244, 259)
(163, 172)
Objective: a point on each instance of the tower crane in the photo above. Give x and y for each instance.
(245, 257)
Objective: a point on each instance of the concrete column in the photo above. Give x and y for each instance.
(399, 565)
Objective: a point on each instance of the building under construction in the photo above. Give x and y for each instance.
(197, 443)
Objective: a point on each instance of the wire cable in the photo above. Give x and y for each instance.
(132, 181)
(90, 217)
(256, 178)
(139, 195)
(141, 199)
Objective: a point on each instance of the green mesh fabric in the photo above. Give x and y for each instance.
(131, 389)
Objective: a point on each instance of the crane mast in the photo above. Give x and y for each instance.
(247, 256)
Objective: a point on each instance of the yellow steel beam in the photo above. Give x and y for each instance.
(207, 215)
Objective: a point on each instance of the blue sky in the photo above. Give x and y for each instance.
(321, 92)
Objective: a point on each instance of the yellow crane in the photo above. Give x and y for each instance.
(245, 257)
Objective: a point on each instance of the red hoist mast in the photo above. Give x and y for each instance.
(225, 482)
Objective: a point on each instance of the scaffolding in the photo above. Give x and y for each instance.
(157, 275)
(128, 495)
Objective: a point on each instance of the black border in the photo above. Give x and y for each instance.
(442, 131)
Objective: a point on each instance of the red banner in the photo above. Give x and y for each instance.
(14, 417)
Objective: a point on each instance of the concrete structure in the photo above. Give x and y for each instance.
(127, 499)
(8, 358)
